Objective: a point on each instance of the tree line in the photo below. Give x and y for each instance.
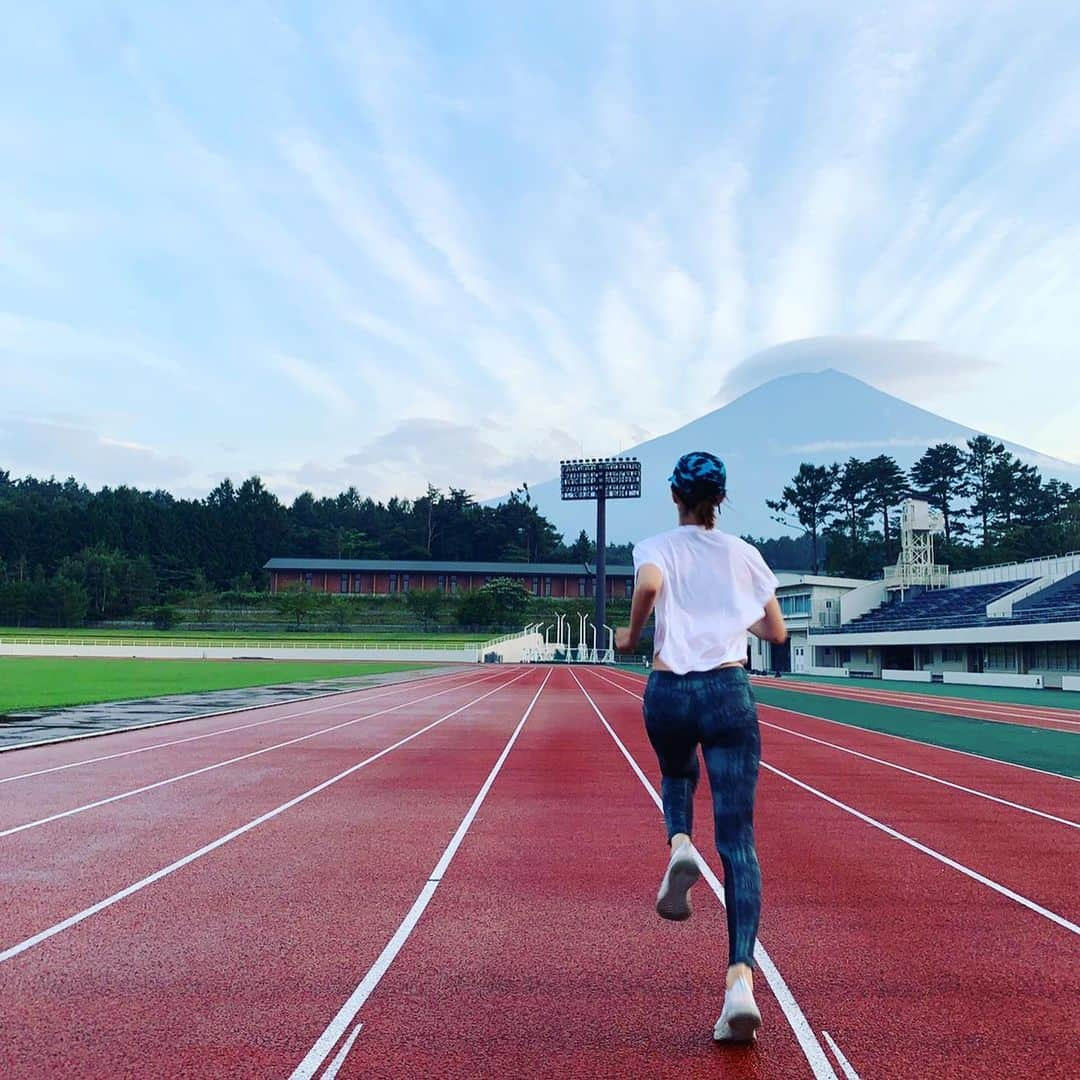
(995, 508)
(68, 554)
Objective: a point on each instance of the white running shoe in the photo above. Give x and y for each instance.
(739, 1019)
(673, 899)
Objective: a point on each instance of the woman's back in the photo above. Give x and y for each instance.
(715, 585)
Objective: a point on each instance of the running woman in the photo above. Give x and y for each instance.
(708, 589)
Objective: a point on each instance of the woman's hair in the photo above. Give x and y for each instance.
(700, 505)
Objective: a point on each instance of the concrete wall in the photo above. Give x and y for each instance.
(905, 676)
(1070, 682)
(970, 678)
(861, 600)
(513, 650)
(831, 672)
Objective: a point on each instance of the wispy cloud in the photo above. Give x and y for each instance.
(594, 221)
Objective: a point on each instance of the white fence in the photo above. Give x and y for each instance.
(1056, 565)
(834, 672)
(432, 654)
(510, 648)
(905, 676)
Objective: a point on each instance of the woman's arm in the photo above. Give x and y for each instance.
(771, 627)
(647, 587)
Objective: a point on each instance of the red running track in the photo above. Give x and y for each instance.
(538, 953)
(1002, 712)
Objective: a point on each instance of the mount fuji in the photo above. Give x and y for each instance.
(763, 436)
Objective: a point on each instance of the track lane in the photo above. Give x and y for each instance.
(915, 969)
(26, 762)
(1016, 850)
(1050, 793)
(541, 955)
(976, 709)
(223, 968)
(67, 865)
(66, 793)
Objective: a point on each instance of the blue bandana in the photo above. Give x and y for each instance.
(699, 473)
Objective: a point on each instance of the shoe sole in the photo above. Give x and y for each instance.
(675, 903)
(743, 1028)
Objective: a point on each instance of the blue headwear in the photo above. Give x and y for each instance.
(698, 475)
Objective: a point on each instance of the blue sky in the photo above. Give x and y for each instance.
(390, 244)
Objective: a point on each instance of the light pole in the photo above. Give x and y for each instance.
(601, 479)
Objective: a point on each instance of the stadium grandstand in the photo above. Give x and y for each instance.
(1016, 624)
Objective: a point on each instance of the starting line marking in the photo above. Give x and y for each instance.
(910, 841)
(845, 1065)
(804, 1033)
(206, 849)
(347, 1013)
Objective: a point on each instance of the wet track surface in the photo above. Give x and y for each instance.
(20, 728)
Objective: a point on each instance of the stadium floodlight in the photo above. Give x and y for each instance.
(601, 479)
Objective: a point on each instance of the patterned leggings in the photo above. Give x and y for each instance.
(716, 710)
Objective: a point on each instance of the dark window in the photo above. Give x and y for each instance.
(487, 578)
(441, 580)
(536, 586)
(453, 583)
(628, 587)
(582, 586)
(393, 583)
(307, 579)
(356, 583)
(344, 586)
(547, 586)
(404, 582)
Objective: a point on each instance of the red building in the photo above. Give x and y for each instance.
(389, 577)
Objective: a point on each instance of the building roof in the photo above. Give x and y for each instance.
(789, 578)
(420, 566)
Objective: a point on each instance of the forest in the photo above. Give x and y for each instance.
(69, 555)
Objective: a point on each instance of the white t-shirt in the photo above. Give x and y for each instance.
(715, 586)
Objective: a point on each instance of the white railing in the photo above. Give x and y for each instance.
(905, 576)
(1040, 566)
(229, 643)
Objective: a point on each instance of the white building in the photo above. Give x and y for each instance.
(1016, 624)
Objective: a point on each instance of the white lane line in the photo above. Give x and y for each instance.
(887, 829)
(845, 1065)
(639, 681)
(811, 1047)
(206, 849)
(12, 830)
(332, 1069)
(952, 863)
(314, 1058)
(915, 772)
(368, 695)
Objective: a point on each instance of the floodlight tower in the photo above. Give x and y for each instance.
(601, 479)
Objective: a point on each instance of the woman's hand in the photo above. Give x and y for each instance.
(623, 641)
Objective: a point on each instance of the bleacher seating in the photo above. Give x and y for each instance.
(1059, 605)
(936, 608)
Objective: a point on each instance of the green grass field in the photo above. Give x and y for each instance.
(31, 682)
